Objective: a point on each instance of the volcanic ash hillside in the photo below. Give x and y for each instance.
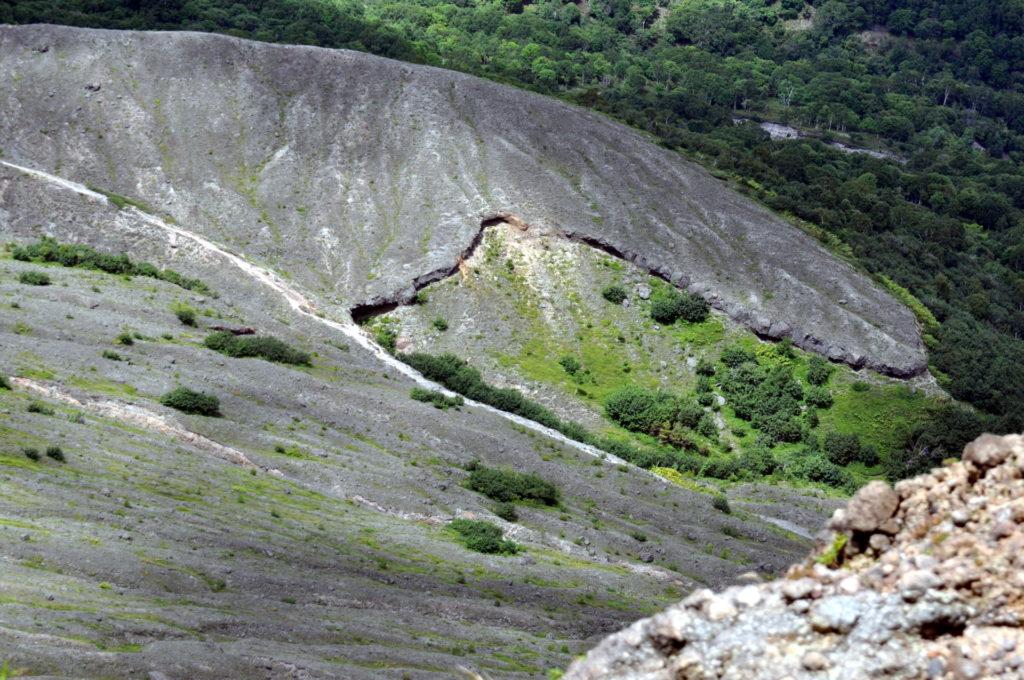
(924, 581)
(358, 176)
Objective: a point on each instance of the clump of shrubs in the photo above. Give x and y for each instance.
(30, 453)
(672, 306)
(721, 503)
(185, 313)
(614, 294)
(818, 370)
(507, 486)
(483, 537)
(40, 408)
(56, 453)
(33, 278)
(735, 355)
(4, 383)
(843, 449)
(458, 376)
(111, 355)
(78, 255)
(571, 365)
(190, 401)
(818, 396)
(440, 324)
(125, 338)
(506, 511)
(264, 347)
(438, 399)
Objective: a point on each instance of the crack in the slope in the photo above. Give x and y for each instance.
(766, 330)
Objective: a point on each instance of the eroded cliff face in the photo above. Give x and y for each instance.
(921, 581)
(357, 175)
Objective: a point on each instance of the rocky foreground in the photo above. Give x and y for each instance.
(921, 581)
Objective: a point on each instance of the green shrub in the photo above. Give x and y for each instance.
(705, 398)
(4, 383)
(638, 536)
(440, 324)
(55, 453)
(39, 407)
(759, 461)
(125, 338)
(387, 337)
(735, 355)
(816, 468)
(509, 486)
(86, 257)
(507, 511)
(113, 356)
(818, 370)
(438, 399)
(721, 503)
(706, 427)
(639, 409)
(189, 401)
(30, 453)
(705, 368)
(483, 537)
(614, 294)
(818, 396)
(570, 364)
(861, 386)
(671, 306)
(259, 346)
(185, 314)
(842, 449)
(33, 278)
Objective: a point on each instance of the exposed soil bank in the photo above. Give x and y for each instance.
(764, 328)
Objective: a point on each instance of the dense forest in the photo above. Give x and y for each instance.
(936, 87)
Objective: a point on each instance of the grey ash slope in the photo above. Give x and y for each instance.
(147, 551)
(358, 174)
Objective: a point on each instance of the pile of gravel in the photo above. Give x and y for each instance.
(922, 581)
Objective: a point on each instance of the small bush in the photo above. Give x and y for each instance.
(734, 356)
(507, 486)
(817, 468)
(842, 449)
(185, 314)
(438, 399)
(638, 536)
(55, 453)
(31, 454)
(570, 364)
(721, 503)
(614, 294)
(440, 324)
(86, 257)
(34, 278)
(125, 338)
(4, 383)
(483, 537)
(506, 511)
(189, 401)
(706, 427)
(818, 396)
(818, 370)
(387, 337)
(861, 386)
(667, 308)
(263, 347)
(113, 356)
(705, 368)
(40, 408)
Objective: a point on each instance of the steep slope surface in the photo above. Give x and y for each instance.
(303, 532)
(359, 175)
(920, 581)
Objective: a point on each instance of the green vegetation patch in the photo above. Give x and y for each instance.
(509, 486)
(190, 401)
(439, 399)
(483, 537)
(260, 346)
(83, 256)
